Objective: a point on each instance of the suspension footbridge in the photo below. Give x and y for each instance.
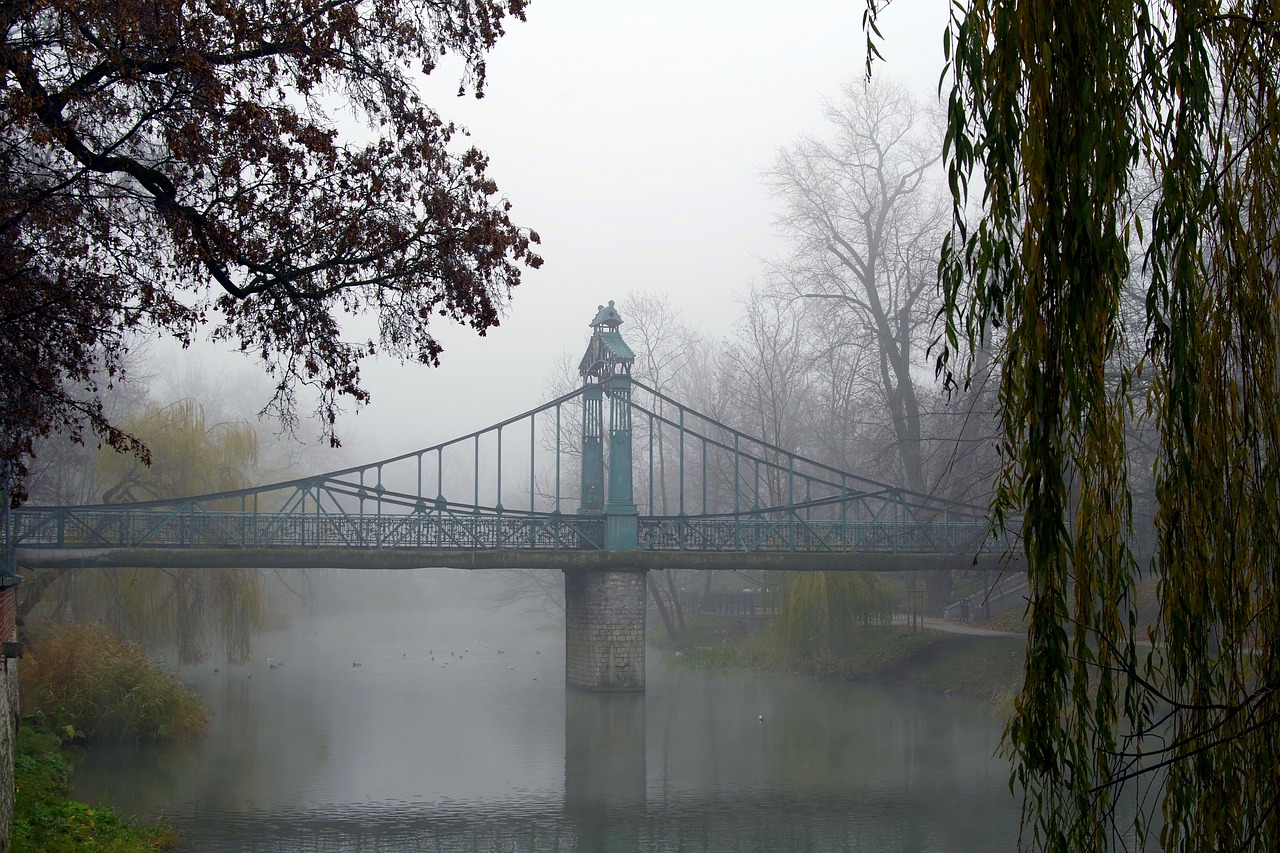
(606, 482)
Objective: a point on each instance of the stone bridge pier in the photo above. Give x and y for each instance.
(604, 629)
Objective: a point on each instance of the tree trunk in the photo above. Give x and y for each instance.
(662, 607)
(34, 586)
(675, 599)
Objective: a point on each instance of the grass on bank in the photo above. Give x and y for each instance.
(974, 666)
(987, 667)
(873, 648)
(45, 820)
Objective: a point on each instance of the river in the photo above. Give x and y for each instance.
(437, 722)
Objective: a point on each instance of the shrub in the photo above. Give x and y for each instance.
(82, 680)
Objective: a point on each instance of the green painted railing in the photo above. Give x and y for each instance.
(194, 527)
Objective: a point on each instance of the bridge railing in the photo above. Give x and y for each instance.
(793, 534)
(193, 527)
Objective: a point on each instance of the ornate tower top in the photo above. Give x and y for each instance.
(607, 354)
(607, 317)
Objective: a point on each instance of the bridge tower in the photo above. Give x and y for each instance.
(604, 609)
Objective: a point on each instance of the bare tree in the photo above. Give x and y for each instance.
(865, 218)
(848, 431)
(766, 368)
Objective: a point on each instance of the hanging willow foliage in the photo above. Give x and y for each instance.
(193, 612)
(1087, 134)
(821, 610)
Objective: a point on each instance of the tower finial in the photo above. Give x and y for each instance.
(607, 316)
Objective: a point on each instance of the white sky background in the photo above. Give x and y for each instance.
(631, 137)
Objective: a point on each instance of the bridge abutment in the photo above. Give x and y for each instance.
(604, 629)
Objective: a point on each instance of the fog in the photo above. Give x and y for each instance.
(633, 140)
(407, 712)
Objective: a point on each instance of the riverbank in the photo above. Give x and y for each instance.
(981, 661)
(46, 820)
(81, 684)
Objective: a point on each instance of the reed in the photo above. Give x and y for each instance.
(87, 684)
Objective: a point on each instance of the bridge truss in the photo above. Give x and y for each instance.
(701, 486)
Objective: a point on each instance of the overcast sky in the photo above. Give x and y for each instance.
(632, 138)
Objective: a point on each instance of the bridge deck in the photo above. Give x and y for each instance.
(455, 558)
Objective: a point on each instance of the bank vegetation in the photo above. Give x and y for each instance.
(80, 685)
(843, 625)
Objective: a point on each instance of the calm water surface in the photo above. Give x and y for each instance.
(482, 748)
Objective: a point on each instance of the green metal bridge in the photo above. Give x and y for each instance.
(657, 486)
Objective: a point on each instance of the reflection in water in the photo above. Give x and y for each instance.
(604, 769)
(482, 748)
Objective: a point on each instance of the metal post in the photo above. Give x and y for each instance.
(592, 495)
(557, 459)
(844, 501)
(895, 528)
(439, 475)
(440, 502)
(378, 490)
(736, 484)
(682, 460)
(651, 464)
(704, 476)
(620, 523)
(497, 524)
(737, 518)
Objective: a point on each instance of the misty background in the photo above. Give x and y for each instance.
(635, 141)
